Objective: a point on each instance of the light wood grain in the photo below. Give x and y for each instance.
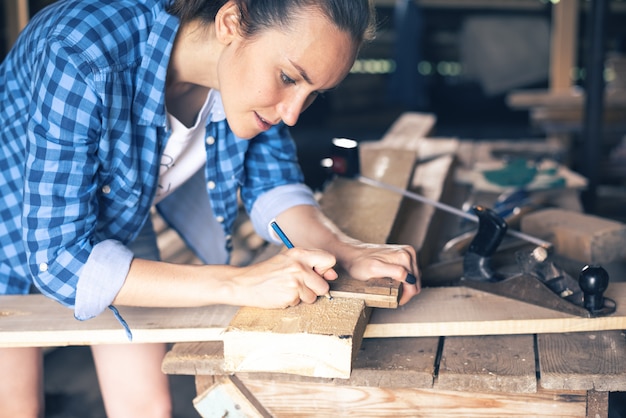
(285, 399)
(450, 311)
(37, 321)
(319, 340)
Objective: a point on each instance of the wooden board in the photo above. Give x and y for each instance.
(35, 320)
(488, 364)
(585, 360)
(319, 340)
(450, 311)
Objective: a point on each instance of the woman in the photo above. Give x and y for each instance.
(109, 108)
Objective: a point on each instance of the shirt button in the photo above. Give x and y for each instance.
(211, 185)
(106, 189)
(228, 237)
(43, 267)
(210, 140)
(219, 219)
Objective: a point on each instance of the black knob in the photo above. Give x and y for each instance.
(593, 281)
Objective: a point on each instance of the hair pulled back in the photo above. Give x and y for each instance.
(355, 17)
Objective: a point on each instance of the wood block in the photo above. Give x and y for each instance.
(583, 360)
(319, 340)
(586, 238)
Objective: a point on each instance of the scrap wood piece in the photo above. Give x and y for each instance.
(37, 321)
(228, 397)
(320, 340)
(450, 311)
(488, 364)
(586, 360)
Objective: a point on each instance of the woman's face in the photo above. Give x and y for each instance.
(276, 75)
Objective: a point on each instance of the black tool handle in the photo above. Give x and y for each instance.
(491, 231)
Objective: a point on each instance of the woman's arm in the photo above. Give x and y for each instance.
(284, 280)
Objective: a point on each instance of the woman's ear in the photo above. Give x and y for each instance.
(227, 23)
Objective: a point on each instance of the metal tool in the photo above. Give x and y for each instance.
(538, 280)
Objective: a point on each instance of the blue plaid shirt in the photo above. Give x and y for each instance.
(82, 129)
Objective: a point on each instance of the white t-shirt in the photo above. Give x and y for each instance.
(184, 152)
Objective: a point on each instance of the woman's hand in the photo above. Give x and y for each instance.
(399, 262)
(293, 276)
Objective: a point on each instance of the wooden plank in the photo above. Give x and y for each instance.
(573, 99)
(319, 340)
(419, 224)
(488, 364)
(396, 363)
(586, 360)
(563, 44)
(406, 133)
(292, 399)
(37, 321)
(454, 311)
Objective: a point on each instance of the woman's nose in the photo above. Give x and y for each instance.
(290, 109)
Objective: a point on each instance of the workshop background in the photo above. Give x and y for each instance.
(459, 60)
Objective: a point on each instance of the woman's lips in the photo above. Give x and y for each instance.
(263, 124)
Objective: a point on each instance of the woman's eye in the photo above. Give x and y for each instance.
(286, 79)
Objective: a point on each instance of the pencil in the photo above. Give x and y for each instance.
(289, 244)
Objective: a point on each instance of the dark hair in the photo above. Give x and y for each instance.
(356, 17)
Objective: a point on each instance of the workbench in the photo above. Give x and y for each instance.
(528, 361)
(451, 351)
